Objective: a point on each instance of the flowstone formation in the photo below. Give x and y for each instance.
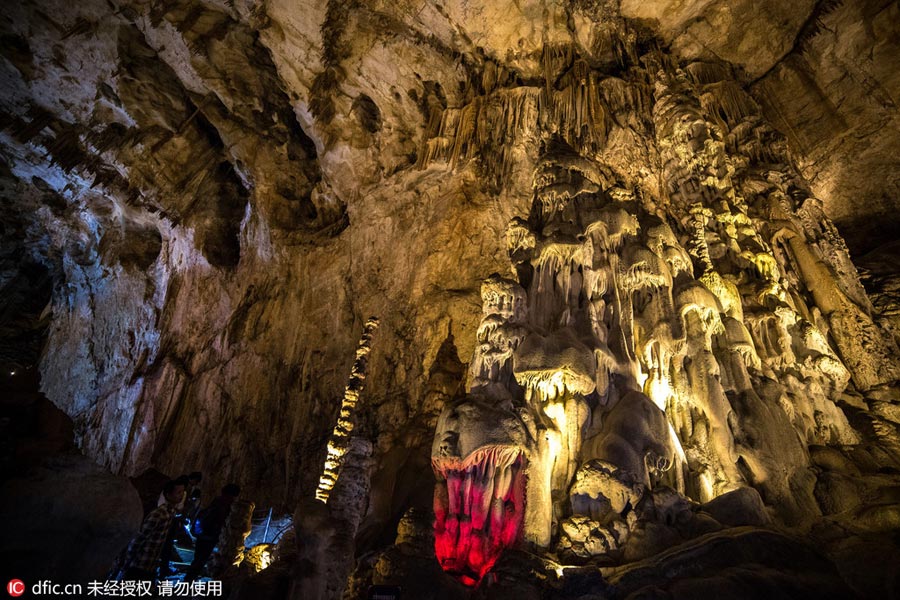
(679, 320)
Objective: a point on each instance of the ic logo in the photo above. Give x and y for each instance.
(15, 587)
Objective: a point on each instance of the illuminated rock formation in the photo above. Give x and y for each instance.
(339, 442)
(696, 335)
(203, 201)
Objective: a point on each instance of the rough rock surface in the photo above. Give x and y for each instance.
(69, 518)
(201, 203)
(878, 271)
(733, 564)
(198, 180)
(826, 75)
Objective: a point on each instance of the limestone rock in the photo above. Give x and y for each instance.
(230, 550)
(201, 204)
(743, 563)
(603, 492)
(832, 459)
(836, 493)
(755, 36)
(68, 517)
(258, 557)
(743, 506)
(582, 537)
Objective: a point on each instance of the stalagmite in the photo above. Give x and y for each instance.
(230, 550)
(340, 437)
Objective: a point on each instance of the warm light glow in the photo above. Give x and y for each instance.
(642, 378)
(557, 412)
(677, 443)
(659, 390)
(556, 383)
(557, 568)
(707, 489)
(265, 560)
(338, 444)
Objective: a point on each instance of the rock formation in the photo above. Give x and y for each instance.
(609, 244)
(698, 326)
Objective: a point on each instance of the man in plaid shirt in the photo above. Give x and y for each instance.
(143, 551)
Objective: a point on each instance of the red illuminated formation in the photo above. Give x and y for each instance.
(478, 510)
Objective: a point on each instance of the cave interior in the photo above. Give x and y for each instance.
(533, 299)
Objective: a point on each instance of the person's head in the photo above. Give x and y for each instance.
(195, 478)
(173, 491)
(232, 490)
(183, 480)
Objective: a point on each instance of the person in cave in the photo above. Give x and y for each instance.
(207, 527)
(192, 503)
(176, 531)
(144, 550)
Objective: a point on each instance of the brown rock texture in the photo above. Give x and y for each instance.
(202, 203)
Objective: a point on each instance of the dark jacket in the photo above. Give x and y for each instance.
(212, 518)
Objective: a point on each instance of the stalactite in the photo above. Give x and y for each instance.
(555, 58)
(728, 102)
(572, 103)
(628, 98)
